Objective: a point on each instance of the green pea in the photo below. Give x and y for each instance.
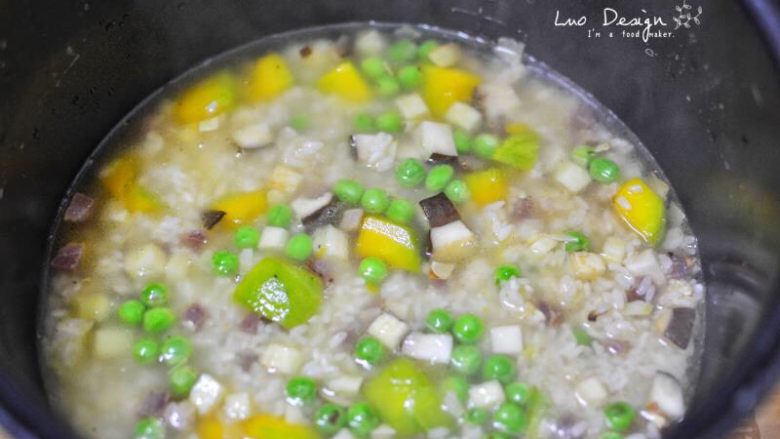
(301, 390)
(510, 418)
(439, 320)
(364, 123)
(457, 191)
(362, 419)
(499, 367)
(176, 350)
(425, 48)
(369, 350)
(373, 270)
(389, 122)
(224, 263)
(300, 122)
(457, 385)
(582, 155)
(400, 211)
(181, 379)
(603, 170)
(576, 241)
(506, 272)
(468, 329)
(157, 320)
(348, 191)
(476, 416)
(299, 247)
(410, 172)
(149, 428)
(438, 177)
(154, 295)
(373, 67)
(485, 145)
(466, 359)
(329, 419)
(619, 416)
(387, 86)
(518, 393)
(402, 51)
(374, 200)
(146, 350)
(611, 435)
(463, 141)
(246, 237)
(280, 215)
(410, 77)
(131, 312)
(582, 337)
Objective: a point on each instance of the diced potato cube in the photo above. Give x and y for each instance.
(91, 306)
(487, 395)
(667, 393)
(412, 106)
(253, 136)
(573, 177)
(507, 339)
(284, 179)
(591, 392)
(445, 55)
(346, 385)
(587, 266)
(389, 330)
(437, 138)
(442, 270)
(370, 43)
(343, 434)
(111, 342)
(145, 261)
(206, 393)
(433, 348)
(330, 242)
(237, 407)
(453, 242)
(464, 116)
(614, 249)
(280, 358)
(273, 238)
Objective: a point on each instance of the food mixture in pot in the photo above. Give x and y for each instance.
(385, 235)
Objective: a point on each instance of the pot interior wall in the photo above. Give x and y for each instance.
(704, 102)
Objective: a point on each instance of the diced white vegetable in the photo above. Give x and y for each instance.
(412, 106)
(572, 176)
(384, 431)
(452, 242)
(389, 330)
(638, 308)
(667, 393)
(464, 116)
(69, 339)
(91, 306)
(544, 244)
(642, 264)
(237, 406)
(273, 238)
(209, 125)
(280, 358)
(488, 394)
(304, 207)
(445, 55)
(614, 249)
(370, 43)
(345, 385)
(591, 392)
(343, 434)
(179, 415)
(498, 100)
(330, 242)
(437, 138)
(145, 261)
(111, 342)
(587, 265)
(284, 179)
(253, 136)
(205, 393)
(442, 270)
(178, 265)
(434, 348)
(507, 339)
(350, 220)
(294, 415)
(376, 150)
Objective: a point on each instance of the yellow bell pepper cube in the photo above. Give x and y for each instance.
(140, 199)
(487, 186)
(444, 86)
(273, 427)
(394, 243)
(270, 76)
(120, 180)
(242, 208)
(345, 81)
(210, 427)
(206, 99)
(642, 209)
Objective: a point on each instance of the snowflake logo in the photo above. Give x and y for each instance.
(685, 16)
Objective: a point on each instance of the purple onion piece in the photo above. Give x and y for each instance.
(68, 257)
(80, 209)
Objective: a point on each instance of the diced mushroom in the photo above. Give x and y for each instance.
(464, 116)
(389, 330)
(434, 348)
(351, 219)
(571, 176)
(587, 266)
(328, 214)
(552, 315)
(211, 218)
(412, 106)
(330, 242)
(677, 325)
(281, 358)
(453, 242)
(68, 257)
(439, 210)
(441, 159)
(303, 207)
(667, 394)
(590, 392)
(507, 339)
(437, 137)
(486, 395)
(253, 136)
(441, 270)
(250, 323)
(153, 404)
(445, 55)
(522, 208)
(206, 393)
(273, 238)
(79, 209)
(194, 317)
(375, 150)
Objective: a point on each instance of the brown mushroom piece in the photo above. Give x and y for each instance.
(451, 240)
(327, 214)
(677, 325)
(211, 218)
(439, 210)
(443, 159)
